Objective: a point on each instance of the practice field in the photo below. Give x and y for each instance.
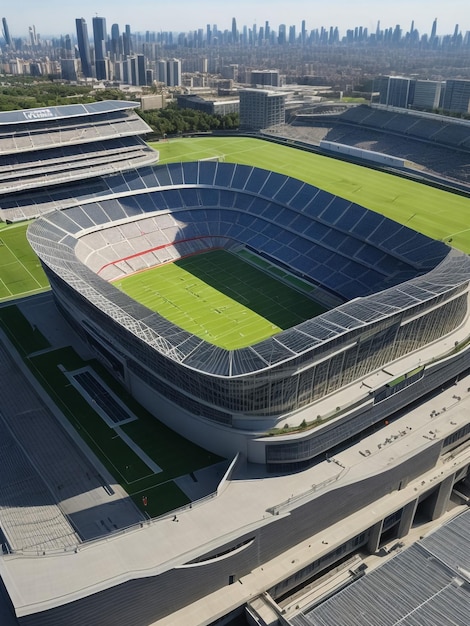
(20, 270)
(220, 298)
(176, 457)
(433, 212)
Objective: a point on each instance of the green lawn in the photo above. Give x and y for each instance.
(175, 455)
(221, 298)
(25, 337)
(438, 214)
(20, 270)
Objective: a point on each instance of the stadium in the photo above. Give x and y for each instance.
(330, 370)
(387, 294)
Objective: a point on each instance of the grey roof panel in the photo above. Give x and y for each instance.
(62, 112)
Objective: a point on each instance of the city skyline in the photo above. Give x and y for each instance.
(192, 16)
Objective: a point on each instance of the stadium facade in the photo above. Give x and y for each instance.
(395, 299)
(395, 336)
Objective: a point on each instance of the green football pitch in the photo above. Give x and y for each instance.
(20, 271)
(221, 298)
(433, 212)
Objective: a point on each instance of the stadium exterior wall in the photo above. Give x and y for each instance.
(281, 451)
(141, 601)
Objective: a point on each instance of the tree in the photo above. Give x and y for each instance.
(175, 121)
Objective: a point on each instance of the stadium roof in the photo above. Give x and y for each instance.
(198, 354)
(66, 111)
(426, 584)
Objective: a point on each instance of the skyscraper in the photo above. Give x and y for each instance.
(234, 30)
(457, 96)
(433, 30)
(99, 39)
(115, 38)
(396, 91)
(127, 40)
(33, 38)
(261, 108)
(84, 47)
(173, 73)
(6, 33)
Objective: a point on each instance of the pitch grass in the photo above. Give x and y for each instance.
(20, 271)
(220, 298)
(433, 212)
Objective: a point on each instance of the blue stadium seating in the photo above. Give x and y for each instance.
(130, 205)
(191, 173)
(301, 198)
(227, 199)
(213, 197)
(163, 176)
(272, 184)
(224, 175)
(147, 174)
(256, 180)
(133, 180)
(207, 173)
(290, 188)
(190, 197)
(97, 214)
(113, 209)
(240, 177)
(176, 173)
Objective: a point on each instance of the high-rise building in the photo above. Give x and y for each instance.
(162, 72)
(261, 108)
(265, 78)
(141, 74)
(6, 33)
(115, 40)
(84, 47)
(457, 96)
(230, 72)
(33, 38)
(68, 69)
(127, 40)
(173, 73)
(396, 91)
(67, 47)
(428, 94)
(99, 39)
(433, 30)
(234, 31)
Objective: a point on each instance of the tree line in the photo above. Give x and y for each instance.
(30, 94)
(174, 121)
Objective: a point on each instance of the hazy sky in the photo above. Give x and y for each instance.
(54, 17)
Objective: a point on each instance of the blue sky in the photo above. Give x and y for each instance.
(58, 16)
